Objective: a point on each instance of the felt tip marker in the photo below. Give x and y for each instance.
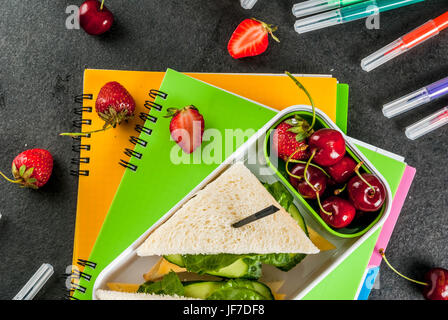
(428, 124)
(248, 4)
(411, 40)
(310, 7)
(417, 98)
(350, 13)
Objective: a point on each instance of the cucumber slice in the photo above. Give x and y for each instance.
(236, 294)
(242, 268)
(228, 290)
(176, 259)
(202, 289)
(259, 287)
(295, 213)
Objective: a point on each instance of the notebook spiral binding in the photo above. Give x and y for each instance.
(141, 130)
(77, 123)
(77, 275)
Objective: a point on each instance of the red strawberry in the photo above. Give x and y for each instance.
(289, 136)
(186, 127)
(250, 38)
(32, 168)
(113, 104)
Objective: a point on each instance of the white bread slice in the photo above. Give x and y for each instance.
(116, 295)
(203, 225)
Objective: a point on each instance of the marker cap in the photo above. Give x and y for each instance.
(310, 7)
(406, 103)
(427, 124)
(318, 21)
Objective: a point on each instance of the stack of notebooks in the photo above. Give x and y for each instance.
(127, 180)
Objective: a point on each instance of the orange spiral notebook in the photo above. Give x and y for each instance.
(99, 155)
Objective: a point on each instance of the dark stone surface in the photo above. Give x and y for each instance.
(41, 70)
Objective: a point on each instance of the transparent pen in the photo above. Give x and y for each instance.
(36, 282)
(410, 40)
(428, 124)
(417, 98)
(350, 13)
(310, 7)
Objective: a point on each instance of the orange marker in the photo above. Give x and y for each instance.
(412, 39)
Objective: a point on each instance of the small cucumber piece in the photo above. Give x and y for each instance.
(295, 213)
(234, 289)
(242, 268)
(176, 259)
(262, 289)
(202, 289)
(236, 294)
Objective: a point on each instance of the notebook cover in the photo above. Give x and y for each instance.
(337, 285)
(106, 149)
(371, 273)
(123, 231)
(329, 280)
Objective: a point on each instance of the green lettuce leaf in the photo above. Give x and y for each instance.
(169, 285)
(201, 263)
(280, 194)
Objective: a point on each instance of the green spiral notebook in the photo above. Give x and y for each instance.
(134, 210)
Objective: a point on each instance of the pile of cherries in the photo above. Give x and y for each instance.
(328, 165)
(320, 164)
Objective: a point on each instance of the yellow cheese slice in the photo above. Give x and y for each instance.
(161, 268)
(279, 296)
(319, 241)
(123, 287)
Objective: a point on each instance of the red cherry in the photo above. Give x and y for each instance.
(329, 145)
(339, 212)
(437, 284)
(362, 195)
(315, 176)
(94, 17)
(342, 170)
(436, 281)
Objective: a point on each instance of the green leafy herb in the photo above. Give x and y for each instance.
(280, 194)
(283, 261)
(201, 263)
(169, 285)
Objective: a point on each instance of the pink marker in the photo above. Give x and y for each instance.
(428, 124)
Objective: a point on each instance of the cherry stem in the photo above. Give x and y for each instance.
(320, 205)
(10, 180)
(340, 190)
(362, 178)
(306, 171)
(311, 164)
(77, 134)
(102, 5)
(309, 97)
(290, 160)
(381, 251)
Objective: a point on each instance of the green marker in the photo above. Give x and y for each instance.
(310, 7)
(351, 13)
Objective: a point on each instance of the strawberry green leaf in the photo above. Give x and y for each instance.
(171, 112)
(296, 130)
(22, 170)
(32, 180)
(28, 173)
(301, 136)
(14, 170)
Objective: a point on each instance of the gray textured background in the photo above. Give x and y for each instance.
(41, 68)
